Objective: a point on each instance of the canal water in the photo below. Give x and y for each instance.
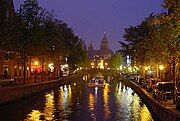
(77, 102)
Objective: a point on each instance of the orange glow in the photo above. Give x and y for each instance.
(36, 63)
(146, 68)
(91, 102)
(161, 67)
(49, 106)
(106, 100)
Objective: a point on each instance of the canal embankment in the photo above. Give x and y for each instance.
(14, 92)
(161, 112)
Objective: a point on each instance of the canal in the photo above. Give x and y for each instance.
(77, 102)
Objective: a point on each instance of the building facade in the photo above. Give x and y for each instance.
(100, 58)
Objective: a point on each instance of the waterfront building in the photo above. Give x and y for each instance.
(100, 58)
(10, 63)
(7, 59)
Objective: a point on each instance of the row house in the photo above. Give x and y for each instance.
(10, 64)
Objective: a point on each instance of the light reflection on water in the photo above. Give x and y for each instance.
(77, 102)
(130, 106)
(107, 111)
(34, 116)
(49, 107)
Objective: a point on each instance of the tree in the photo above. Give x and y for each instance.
(156, 39)
(35, 33)
(140, 43)
(77, 56)
(116, 61)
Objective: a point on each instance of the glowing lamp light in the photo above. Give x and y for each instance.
(36, 63)
(27, 68)
(150, 72)
(51, 66)
(92, 64)
(146, 68)
(106, 64)
(161, 67)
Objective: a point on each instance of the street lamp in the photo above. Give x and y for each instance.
(146, 68)
(161, 67)
(36, 63)
(92, 65)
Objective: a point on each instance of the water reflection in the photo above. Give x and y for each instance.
(114, 102)
(49, 107)
(107, 112)
(91, 106)
(91, 102)
(145, 115)
(47, 115)
(34, 116)
(130, 106)
(65, 102)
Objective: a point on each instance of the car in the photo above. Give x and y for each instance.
(164, 91)
(6, 79)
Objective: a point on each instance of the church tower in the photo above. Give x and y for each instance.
(104, 43)
(90, 51)
(90, 48)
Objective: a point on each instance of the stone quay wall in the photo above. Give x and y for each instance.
(160, 111)
(11, 93)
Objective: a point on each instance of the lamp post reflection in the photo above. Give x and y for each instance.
(49, 107)
(107, 112)
(34, 116)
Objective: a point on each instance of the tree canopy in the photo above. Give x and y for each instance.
(36, 32)
(156, 39)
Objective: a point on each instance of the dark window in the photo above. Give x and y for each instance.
(5, 70)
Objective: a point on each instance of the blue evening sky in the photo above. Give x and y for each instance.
(89, 19)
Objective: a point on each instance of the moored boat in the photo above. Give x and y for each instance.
(96, 82)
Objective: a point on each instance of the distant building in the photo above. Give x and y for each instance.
(102, 55)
